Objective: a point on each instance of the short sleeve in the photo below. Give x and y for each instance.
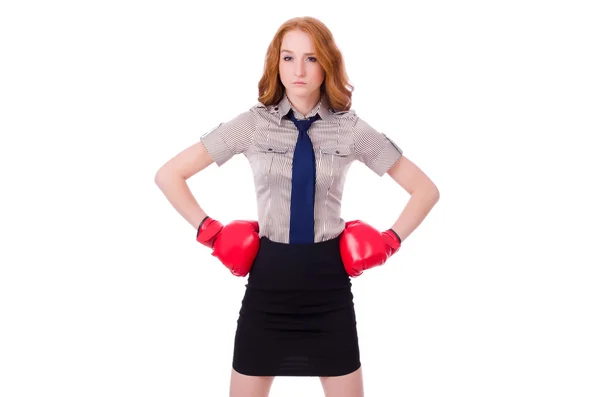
(230, 138)
(374, 148)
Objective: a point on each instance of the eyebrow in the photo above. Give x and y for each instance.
(291, 52)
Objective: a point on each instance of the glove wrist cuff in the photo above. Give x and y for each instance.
(205, 218)
(207, 231)
(393, 241)
(396, 234)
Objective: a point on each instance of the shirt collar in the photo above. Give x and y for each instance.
(323, 108)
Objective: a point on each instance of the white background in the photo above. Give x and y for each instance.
(105, 292)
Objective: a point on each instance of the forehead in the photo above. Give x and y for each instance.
(297, 41)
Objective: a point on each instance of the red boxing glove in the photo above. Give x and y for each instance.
(235, 245)
(363, 247)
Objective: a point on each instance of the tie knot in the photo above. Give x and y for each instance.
(302, 124)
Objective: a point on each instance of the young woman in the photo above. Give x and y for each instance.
(297, 316)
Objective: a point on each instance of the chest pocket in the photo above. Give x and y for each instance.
(338, 151)
(272, 158)
(332, 162)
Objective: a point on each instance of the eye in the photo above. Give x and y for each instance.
(311, 59)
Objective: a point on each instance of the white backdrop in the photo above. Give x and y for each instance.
(104, 291)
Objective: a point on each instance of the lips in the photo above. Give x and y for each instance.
(299, 82)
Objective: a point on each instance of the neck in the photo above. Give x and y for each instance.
(304, 104)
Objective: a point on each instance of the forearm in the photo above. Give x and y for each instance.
(418, 206)
(177, 191)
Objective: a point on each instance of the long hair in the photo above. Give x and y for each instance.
(336, 86)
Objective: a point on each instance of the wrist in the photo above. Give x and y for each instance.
(208, 231)
(396, 234)
(392, 241)
(202, 221)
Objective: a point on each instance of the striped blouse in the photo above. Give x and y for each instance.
(267, 137)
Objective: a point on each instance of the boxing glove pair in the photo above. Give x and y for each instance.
(235, 244)
(363, 247)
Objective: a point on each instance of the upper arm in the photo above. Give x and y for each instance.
(230, 138)
(373, 148)
(187, 163)
(216, 146)
(408, 175)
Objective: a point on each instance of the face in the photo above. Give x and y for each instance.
(298, 62)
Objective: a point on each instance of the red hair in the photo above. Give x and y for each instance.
(336, 86)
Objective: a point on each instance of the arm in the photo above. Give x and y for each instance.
(236, 244)
(216, 146)
(171, 179)
(423, 196)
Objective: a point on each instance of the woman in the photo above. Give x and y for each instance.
(297, 316)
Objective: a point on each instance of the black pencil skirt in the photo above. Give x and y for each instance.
(297, 316)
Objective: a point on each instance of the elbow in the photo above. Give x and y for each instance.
(434, 192)
(430, 191)
(161, 177)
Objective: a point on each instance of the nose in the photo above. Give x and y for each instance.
(299, 68)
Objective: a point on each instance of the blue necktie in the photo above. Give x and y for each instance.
(302, 211)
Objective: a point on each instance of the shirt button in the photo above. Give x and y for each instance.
(270, 149)
(337, 152)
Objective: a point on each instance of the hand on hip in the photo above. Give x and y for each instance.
(363, 247)
(235, 244)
